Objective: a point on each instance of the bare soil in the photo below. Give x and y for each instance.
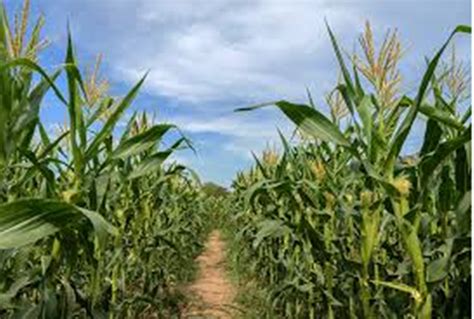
(212, 293)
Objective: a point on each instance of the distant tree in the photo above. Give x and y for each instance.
(214, 190)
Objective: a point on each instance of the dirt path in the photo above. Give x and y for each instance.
(213, 293)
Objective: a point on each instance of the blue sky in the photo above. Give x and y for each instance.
(207, 58)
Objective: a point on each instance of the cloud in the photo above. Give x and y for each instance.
(207, 51)
(236, 133)
(231, 125)
(201, 51)
(237, 52)
(208, 57)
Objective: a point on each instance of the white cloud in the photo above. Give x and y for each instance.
(232, 125)
(239, 52)
(240, 133)
(202, 51)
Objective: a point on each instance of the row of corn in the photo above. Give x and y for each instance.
(342, 223)
(92, 223)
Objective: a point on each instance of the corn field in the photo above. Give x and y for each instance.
(97, 221)
(92, 224)
(341, 225)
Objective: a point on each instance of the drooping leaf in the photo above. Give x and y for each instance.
(310, 121)
(441, 116)
(270, 229)
(27, 220)
(398, 286)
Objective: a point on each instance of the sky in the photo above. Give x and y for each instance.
(208, 57)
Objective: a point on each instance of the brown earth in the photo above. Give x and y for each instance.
(212, 293)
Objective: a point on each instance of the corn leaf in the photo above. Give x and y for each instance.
(310, 121)
(398, 286)
(405, 127)
(142, 142)
(433, 160)
(27, 220)
(113, 119)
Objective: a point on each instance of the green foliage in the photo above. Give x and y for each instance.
(340, 225)
(93, 223)
(214, 190)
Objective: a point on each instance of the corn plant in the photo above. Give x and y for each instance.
(342, 224)
(92, 222)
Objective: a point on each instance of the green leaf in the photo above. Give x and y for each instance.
(7, 297)
(41, 167)
(77, 129)
(142, 142)
(398, 286)
(404, 129)
(433, 134)
(466, 115)
(438, 269)
(27, 220)
(462, 170)
(35, 67)
(49, 146)
(27, 122)
(345, 73)
(366, 117)
(153, 162)
(270, 229)
(347, 98)
(105, 105)
(432, 161)
(113, 119)
(310, 121)
(441, 116)
(67, 300)
(149, 164)
(463, 213)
